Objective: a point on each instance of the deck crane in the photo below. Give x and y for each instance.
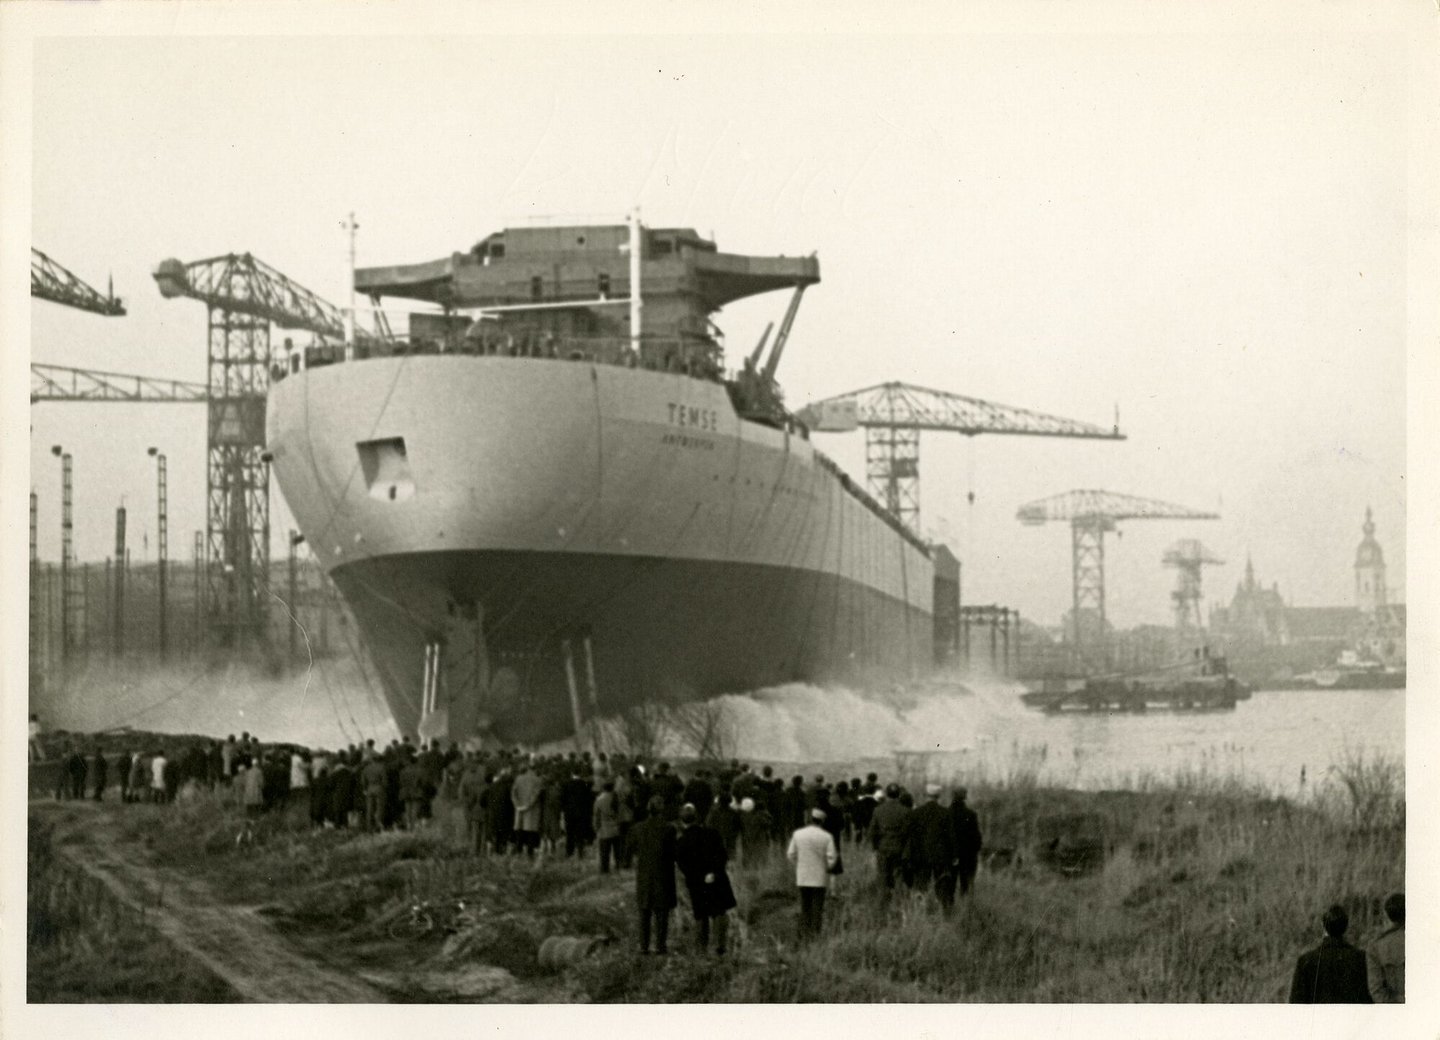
(243, 298)
(893, 414)
(51, 281)
(1188, 556)
(1091, 514)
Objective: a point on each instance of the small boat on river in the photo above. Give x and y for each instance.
(1201, 683)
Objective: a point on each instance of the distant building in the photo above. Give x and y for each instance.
(1262, 636)
(1257, 616)
(1369, 570)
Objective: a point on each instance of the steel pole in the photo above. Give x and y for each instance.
(66, 557)
(637, 305)
(163, 531)
(118, 604)
(82, 608)
(198, 554)
(35, 641)
(294, 601)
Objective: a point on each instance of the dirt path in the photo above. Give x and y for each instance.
(234, 942)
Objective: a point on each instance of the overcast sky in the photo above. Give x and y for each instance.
(1208, 231)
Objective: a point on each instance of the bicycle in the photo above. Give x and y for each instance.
(420, 919)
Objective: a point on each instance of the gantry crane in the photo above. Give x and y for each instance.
(243, 297)
(893, 414)
(1091, 514)
(51, 281)
(1188, 556)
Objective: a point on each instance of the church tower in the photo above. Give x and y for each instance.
(1369, 570)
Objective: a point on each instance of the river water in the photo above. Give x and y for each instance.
(983, 732)
(975, 731)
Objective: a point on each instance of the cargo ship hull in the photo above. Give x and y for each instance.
(553, 539)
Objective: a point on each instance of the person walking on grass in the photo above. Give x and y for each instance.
(725, 818)
(653, 841)
(700, 855)
(1333, 972)
(525, 797)
(755, 829)
(1385, 962)
(299, 774)
(37, 739)
(577, 807)
(99, 773)
(139, 777)
(890, 837)
(76, 768)
(813, 854)
(122, 773)
(252, 787)
(412, 792)
(159, 766)
(552, 818)
(472, 787)
(373, 780)
(229, 759)
(968, 839)
(605, 822)
(934, 852)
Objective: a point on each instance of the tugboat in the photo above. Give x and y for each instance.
(1200, 683)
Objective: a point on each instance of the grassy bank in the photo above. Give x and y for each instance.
(84, 946)
(1186, 891)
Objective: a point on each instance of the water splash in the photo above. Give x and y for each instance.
(799, 722)
(218, 698)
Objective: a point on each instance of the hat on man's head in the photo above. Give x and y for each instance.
(1395, 908)
(818, 815)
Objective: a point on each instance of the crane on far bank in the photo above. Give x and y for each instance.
(1091, 514)
(893, 414)
(1188, 556)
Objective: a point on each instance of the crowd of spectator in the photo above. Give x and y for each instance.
(630, 815)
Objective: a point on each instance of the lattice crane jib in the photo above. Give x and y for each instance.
(50, 280)
(893, 415)
(60, 383)
(1091, 515)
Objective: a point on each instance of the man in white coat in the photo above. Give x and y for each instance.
(813, 855)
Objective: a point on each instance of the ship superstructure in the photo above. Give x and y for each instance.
(550, 500)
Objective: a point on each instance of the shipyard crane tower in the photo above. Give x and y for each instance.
(893, 414)
(1188, 556)
(1091, 514)
(243, 298)
(51, 281)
